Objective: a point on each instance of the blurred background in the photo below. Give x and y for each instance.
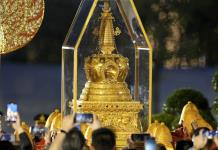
(184, 35)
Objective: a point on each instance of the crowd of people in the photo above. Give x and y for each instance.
(70, 137)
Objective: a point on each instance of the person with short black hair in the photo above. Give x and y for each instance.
(6, 145)
(74, 140)
(160, 147)
(103, 139)
(184, 144)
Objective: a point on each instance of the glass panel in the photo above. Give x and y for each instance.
(128, 41)
(142, 57)
(77, 24)
(67, 79)
(68, 54)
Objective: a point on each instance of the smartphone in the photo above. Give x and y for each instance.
(212, 134)
(11, 112)
(83, 118)
(150, 144)
(139, 137)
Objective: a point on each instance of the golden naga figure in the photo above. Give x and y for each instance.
(106, 93)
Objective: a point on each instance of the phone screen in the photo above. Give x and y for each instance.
(140, 137)
(150, 144)
(83, 118)
(11, 112)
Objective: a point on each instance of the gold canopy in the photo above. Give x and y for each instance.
(19, 22)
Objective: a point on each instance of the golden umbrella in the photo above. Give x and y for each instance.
(19, 22)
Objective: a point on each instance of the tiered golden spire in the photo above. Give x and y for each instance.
(106, 33)
(106, 93)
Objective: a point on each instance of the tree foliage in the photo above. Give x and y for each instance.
(182, 29)
(177, 100)
(180, 97)
(215, 81)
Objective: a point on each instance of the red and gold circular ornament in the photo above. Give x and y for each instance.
(19, 22)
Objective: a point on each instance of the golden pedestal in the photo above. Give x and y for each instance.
(121, 117)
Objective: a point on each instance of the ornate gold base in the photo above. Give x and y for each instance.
(121, 117)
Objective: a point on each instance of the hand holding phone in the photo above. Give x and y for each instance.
(11, 112)
(83, 118)
(150, 144)
(139, 137)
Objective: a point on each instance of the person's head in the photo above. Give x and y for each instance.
(199, 137)
(6, 145)
(74, 140)
(184, 145)
(160, 147)
(103, 139)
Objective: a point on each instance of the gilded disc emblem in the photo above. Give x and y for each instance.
(19, 22)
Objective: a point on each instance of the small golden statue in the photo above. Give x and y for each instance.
(106, 93)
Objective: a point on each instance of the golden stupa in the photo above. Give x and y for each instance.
(190, 116)
(106, 93)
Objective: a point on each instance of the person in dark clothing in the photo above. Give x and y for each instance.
(103, 139)
(184, 145)
(25, 143)
(160, 147)
(6, 145)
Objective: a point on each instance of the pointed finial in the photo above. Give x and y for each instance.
(106, 32)
(106, 6)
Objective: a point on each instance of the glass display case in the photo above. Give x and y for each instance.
(107, 63)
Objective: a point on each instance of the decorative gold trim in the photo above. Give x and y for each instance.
(62, 84)
(95, 106)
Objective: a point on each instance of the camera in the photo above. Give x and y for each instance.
(211, 134)
(83, 118)
(140, 137)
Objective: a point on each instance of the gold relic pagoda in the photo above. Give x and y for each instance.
(106, 66)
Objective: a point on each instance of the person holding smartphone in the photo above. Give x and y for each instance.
(25, 143)
(69, 131)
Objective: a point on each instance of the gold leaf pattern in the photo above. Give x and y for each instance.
(19, 22)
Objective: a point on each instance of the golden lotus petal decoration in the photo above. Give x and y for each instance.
(19, 22)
